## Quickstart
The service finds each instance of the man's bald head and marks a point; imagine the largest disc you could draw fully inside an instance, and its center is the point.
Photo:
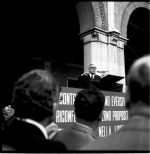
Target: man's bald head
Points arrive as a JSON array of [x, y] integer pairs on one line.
[[139, 80]]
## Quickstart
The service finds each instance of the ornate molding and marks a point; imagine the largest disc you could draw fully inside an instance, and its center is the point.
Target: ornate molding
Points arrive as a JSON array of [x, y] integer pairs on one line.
[[97, 34], [99, 13], [98, 19], [102, 14]]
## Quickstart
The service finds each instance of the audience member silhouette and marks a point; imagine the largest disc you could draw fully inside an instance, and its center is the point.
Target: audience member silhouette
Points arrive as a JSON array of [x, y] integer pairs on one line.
[[88, 108], [33, 98], [134, 136]]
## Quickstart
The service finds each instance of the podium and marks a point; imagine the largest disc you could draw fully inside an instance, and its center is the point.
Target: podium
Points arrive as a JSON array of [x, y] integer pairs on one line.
[[107, 83], [89, 84]]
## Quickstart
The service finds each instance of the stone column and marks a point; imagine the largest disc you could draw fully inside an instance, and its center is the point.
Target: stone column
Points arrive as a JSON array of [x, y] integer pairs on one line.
[[115, 57], [95, 48], [105, 50]]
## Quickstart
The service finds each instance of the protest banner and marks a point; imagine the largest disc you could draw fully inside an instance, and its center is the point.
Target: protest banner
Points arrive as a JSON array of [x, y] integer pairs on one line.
[[114, 114]]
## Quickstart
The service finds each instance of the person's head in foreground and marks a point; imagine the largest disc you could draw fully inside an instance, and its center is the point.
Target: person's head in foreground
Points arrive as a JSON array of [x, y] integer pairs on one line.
[[88, 107], [138, 79], [34, 95]]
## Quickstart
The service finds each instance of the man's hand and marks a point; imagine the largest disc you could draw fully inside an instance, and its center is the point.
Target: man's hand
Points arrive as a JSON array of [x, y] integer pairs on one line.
[[104, 74], [8, 111], [52, 130]]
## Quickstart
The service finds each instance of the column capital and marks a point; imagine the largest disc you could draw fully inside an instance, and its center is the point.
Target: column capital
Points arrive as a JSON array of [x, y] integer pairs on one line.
[[114, 32], [94, 29], [114, 38], [94, 34]]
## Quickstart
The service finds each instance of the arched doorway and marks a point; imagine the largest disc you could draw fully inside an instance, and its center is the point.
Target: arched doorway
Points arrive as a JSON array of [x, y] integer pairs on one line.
[[138, 35]]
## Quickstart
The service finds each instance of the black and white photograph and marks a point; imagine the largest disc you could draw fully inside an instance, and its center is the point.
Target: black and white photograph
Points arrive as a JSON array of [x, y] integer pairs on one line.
[[76, 76]]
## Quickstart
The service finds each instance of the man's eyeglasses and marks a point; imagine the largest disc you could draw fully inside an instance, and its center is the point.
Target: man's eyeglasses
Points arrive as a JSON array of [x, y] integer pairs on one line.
[[93, 67]]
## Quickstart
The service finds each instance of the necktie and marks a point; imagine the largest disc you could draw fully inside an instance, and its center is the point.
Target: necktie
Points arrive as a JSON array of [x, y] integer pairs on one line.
[[92, 77]]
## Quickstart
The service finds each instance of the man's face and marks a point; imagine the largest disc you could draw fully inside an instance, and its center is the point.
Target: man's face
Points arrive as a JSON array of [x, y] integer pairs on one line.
[[92, 69]]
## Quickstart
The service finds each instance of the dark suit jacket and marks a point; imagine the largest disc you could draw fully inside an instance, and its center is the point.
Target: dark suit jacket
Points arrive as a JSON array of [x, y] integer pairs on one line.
[[85, 81], [134, 136], [75, 136], [25, 137]]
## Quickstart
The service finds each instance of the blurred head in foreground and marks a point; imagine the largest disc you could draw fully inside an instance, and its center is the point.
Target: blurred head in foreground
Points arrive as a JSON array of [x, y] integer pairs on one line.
[[34, 95], [88, 106], [139, 83]]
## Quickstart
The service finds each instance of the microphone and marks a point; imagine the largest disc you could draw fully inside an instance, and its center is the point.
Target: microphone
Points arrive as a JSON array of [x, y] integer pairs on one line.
[[102, 71]]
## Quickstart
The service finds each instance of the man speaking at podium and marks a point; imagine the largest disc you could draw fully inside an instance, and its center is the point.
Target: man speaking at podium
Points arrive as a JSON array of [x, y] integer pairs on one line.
[[89, 79]]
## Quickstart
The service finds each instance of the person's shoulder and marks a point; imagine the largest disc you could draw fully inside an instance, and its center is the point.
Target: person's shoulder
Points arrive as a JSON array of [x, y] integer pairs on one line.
[[85, 74], [92, 145], [99, 144], [55, 145]]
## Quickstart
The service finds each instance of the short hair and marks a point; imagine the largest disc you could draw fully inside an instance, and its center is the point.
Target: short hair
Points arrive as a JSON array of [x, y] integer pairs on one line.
[[89, 104], [139, 81], [34, 94], [91, 65]]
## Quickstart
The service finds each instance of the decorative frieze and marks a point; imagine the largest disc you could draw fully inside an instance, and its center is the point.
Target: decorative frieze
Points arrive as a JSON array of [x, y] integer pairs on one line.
[[102, 14], [99, 14]]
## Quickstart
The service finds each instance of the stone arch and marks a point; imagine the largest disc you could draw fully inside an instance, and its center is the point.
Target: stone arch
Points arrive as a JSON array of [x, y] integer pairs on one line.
[[126, 15], [86, 16], [99, 9], [138, 36]]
